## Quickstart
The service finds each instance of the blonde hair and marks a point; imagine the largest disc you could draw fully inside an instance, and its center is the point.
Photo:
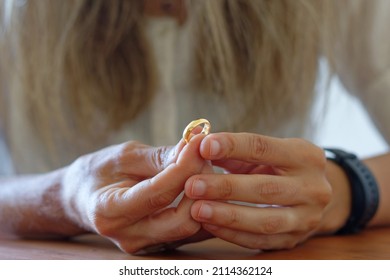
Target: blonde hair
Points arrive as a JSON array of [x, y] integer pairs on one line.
[[90, 65]]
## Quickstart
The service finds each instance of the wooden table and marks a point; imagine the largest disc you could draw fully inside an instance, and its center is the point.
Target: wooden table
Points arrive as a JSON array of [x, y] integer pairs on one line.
[[370, 244]]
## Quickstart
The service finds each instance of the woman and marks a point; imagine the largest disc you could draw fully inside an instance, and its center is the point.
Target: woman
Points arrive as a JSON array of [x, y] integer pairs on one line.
[[81, 75]]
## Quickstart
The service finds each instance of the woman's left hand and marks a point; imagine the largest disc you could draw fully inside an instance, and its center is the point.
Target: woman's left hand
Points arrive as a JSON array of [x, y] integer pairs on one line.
[[288, 175]]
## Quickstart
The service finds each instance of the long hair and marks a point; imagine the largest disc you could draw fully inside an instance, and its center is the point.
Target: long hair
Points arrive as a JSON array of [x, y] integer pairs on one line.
[[83, 67]]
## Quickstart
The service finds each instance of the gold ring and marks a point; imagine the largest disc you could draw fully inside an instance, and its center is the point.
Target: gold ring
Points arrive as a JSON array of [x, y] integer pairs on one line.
[[191, 126]]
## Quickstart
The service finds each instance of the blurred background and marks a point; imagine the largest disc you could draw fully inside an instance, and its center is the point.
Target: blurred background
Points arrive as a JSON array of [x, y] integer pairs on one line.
[[345, 124]]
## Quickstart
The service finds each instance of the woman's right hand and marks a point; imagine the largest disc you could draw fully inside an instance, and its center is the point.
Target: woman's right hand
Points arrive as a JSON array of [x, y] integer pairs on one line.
[[123, 193]]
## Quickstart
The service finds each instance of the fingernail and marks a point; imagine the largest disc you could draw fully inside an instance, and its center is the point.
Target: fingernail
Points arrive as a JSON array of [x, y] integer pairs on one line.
[[215, 147], [198, 188], [205, 212]]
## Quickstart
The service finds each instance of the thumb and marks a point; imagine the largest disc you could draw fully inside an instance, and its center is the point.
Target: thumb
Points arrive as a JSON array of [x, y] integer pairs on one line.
[[161, 190]]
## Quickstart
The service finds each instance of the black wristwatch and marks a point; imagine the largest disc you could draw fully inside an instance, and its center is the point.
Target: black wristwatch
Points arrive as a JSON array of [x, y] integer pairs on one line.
[[364, 190]]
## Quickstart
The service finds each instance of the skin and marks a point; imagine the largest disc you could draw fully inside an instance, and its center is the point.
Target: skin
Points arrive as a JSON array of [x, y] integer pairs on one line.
[[123, 193], [126, 193], [314, 194]]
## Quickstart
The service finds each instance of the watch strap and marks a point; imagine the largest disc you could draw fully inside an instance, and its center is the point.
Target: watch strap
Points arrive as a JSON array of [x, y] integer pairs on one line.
[[364, 190]]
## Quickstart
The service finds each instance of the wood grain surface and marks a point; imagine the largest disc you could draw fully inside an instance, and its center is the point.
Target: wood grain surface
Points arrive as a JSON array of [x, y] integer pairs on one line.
[[369, 244]]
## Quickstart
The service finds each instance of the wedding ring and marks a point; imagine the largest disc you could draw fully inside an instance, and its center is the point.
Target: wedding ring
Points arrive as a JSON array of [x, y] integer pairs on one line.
[[192, 125]]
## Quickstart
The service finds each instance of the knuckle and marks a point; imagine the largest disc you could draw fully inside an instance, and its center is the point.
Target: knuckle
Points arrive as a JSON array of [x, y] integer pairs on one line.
[[232, 218], [128, 147], [121, 157], [231, 146], [259, 147], [131, 146], [225, 190], [159, 158], [272, 224], [322, 195], [268, 190], [126, 152]]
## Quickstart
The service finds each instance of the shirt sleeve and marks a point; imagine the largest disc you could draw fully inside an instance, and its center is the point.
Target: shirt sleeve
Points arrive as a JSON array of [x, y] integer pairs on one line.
[[362, 57]]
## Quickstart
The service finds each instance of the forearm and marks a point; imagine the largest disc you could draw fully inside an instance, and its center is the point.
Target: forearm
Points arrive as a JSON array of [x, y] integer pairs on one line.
[[31, 206]]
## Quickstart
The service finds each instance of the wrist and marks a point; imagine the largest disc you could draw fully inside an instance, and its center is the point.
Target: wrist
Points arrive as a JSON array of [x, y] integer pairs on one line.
[[74, 194], [51, 218], [364, 190], [338, 210], [35, 205], [68, 225]]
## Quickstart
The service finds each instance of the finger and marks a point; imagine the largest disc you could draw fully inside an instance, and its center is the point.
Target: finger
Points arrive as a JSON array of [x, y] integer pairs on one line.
[[147, 161], [252, 240], [158, 192], [251, 148], [163, 228], [242, 167], [268, 220], [234, 166], [260, 189], [172, 224]]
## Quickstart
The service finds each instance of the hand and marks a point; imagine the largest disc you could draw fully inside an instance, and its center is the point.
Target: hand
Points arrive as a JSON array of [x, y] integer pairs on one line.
[[288, 175], [123, 193]]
